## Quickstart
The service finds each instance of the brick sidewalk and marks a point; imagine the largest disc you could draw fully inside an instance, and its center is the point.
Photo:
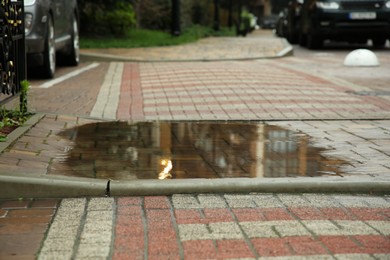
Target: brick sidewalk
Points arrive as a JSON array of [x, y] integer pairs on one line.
[[205, 226], [216, 226], [260, 90], [44, 149], [258, 45], [23, 224]]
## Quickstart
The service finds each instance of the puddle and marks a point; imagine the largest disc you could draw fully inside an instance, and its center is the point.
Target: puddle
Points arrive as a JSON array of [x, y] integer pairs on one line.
[[152, 150]]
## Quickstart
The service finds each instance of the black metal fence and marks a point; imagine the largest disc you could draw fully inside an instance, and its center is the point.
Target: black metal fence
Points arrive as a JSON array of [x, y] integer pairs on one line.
[[12, 48]]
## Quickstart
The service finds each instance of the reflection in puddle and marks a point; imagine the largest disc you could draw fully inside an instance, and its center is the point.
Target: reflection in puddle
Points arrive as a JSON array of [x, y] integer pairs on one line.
[[161, 150]]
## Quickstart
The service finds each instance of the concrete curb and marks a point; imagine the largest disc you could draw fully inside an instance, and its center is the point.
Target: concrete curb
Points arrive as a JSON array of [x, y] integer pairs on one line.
[[49, 186], [44, 186], [287, 51], [242, 185]]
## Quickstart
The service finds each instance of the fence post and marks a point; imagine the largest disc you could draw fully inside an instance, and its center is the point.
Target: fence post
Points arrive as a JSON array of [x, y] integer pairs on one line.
[[12, 47]]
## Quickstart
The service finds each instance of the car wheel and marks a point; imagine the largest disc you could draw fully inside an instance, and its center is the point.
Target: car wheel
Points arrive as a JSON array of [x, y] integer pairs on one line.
[[72, 57], [292, 35], [49, 54], [302, 39], [379, 42], [292, 38], [313, 42]]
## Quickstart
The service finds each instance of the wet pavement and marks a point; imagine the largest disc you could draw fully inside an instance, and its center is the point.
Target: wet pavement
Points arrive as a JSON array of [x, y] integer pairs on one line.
[[74, 146], [302, 114], [187, 150]]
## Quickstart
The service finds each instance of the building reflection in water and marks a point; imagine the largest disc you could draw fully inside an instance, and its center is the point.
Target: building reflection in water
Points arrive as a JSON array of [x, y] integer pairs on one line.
[[163, 150]]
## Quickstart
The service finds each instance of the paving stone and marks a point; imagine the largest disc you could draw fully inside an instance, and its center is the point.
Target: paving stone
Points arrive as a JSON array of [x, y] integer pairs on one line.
[[364, 201], [194, 232], [339, 227], [185, 202], [224, 231], [240, 201], [211, 201], [267, 201], [321, 200], [381, 226], [21, 204], [294, 200]]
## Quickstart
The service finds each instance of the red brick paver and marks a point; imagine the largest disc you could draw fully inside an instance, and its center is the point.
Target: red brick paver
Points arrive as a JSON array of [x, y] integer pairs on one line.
[[237, 91], [168, 233], [23, 224], [195, 227]]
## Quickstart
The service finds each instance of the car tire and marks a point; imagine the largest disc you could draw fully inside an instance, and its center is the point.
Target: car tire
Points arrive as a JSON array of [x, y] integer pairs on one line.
[[49, 54], [72, 56], [293, 38], [292, 35], [379, 42], [314, 42], [302, 39]]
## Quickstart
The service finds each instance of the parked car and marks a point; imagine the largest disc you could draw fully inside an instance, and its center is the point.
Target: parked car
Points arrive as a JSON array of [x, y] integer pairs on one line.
[[52, 31], [293, 18], [269, 22], [344, 20], [282, 24]]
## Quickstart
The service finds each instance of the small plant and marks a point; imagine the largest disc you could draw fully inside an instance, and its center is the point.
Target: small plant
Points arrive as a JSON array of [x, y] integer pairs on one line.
[[10, 119], [25, 86]]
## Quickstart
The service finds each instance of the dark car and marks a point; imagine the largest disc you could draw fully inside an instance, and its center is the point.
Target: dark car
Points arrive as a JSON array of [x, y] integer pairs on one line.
[[282, 24], [293, 20], [344, 20], [52, 31], [269, 21]]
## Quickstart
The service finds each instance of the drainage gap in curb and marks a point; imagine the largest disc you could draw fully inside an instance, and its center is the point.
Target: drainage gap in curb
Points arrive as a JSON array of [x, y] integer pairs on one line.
[[108, 189]]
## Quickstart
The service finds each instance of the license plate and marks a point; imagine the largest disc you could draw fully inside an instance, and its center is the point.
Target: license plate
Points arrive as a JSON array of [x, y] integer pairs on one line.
[[362, 16]]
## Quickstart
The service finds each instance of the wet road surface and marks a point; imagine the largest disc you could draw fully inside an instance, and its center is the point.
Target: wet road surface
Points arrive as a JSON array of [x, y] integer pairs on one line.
[[180, 150]]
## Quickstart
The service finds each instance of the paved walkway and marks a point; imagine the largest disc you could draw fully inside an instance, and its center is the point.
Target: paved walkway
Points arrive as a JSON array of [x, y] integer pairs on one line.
[[257, 45], [229, 91], [199, 226], [60, 145], [204, 226]]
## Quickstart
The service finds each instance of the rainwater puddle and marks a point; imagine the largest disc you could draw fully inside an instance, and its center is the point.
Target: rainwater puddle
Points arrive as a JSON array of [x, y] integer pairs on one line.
[[178, 150]]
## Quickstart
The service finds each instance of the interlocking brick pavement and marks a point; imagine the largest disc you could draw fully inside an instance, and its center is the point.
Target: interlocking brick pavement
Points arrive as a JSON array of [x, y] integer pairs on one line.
[[193, 227], [257, 90], [23, 224], [75, 96], [259, 44], [205, 226]]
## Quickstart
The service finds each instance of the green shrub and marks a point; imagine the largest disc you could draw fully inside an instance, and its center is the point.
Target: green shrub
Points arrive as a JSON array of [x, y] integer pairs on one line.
[[150, 38], [106, 17], [120, 19]]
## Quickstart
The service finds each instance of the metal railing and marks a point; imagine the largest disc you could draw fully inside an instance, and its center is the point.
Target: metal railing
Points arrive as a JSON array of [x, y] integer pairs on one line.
[[12, 48]]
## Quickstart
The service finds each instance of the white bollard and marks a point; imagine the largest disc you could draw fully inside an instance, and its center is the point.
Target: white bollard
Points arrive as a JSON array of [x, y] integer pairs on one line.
[[361, 58]]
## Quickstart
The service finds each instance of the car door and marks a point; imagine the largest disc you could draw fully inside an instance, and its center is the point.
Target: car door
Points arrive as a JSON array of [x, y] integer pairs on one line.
[[68, 13], [60, 20]]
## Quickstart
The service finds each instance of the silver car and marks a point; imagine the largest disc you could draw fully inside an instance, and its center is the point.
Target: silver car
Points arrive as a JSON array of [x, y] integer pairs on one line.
[[52, 33]]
